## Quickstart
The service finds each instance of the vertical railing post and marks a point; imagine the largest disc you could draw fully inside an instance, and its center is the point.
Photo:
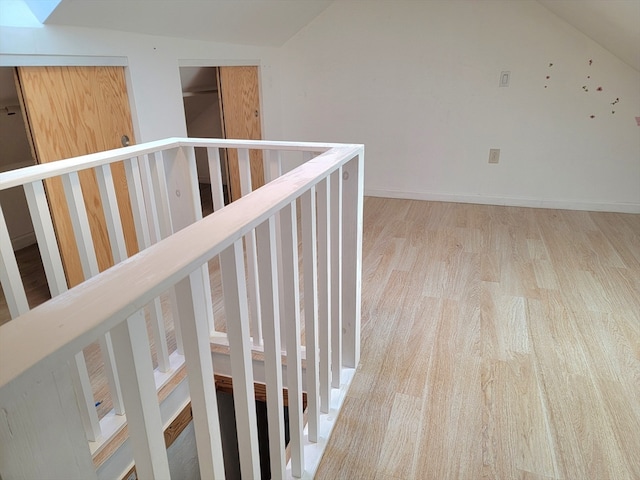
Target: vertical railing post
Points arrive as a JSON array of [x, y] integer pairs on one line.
[[336, 277], [165, 223], [190, 154], [215, 176], [324, 291], [46, 237], [291, 315], [195, 335], [352, 211], [131, 346], [10, 275], [244, 165], [268, 274], [310, 269], [272, 170], [234, 288]]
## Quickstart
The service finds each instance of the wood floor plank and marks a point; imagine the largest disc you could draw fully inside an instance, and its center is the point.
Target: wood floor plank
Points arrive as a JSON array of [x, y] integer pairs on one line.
[[401, 436], [523, 341]]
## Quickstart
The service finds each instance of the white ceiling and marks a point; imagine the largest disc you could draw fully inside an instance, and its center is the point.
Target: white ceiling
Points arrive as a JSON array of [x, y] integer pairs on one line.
[[249, 22], [614, 24]]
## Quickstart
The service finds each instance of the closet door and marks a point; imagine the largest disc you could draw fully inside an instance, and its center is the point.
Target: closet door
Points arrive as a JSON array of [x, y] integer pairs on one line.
[[240, 105], [74, 111]]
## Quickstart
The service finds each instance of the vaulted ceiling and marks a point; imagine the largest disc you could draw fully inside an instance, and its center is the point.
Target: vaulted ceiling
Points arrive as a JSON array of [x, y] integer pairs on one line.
[[250, 22], [614, 24]]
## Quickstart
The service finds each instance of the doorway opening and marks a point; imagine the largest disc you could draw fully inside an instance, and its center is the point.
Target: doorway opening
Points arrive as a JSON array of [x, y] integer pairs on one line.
[[224, 102], [203, 115], [16, 153]]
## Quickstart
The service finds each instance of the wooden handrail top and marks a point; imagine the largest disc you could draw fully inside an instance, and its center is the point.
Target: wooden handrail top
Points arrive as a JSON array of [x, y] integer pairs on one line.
[[51, 333]]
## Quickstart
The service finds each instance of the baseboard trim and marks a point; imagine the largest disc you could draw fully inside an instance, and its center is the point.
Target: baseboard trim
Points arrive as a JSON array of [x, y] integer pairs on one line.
[[507, 201], [22, 241]]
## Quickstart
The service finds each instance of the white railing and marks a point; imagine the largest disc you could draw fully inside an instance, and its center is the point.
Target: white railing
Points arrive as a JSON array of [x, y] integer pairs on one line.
[[49, 425]]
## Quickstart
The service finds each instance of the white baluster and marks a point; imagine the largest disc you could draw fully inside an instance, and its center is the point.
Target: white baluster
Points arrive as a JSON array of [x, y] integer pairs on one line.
[[10, 274], [84, 242], [244, 165], [150, 201], [352, 207], [131, 347], [141, 222], [190, 154], [291, 315], [272, 165], [309, 266], [86, 402], [272, 171], [161, 193], [195, 335], [46, 237], [54, 271], [268, 273], [111, 210], [324, 291], [215, 175], [80, 222], [165, 227], [336, 277], [235, 294]]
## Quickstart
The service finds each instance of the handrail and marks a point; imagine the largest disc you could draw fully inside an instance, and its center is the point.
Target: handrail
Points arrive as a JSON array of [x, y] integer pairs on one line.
[[62, 326], [43, 171]]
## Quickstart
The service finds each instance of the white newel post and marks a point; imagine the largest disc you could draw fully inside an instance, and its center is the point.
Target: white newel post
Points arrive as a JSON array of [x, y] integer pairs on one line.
[[352, 211], [41, 434]]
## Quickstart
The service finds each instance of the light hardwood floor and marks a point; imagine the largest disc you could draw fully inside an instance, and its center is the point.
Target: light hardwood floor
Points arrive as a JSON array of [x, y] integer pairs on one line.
[[498, 342]]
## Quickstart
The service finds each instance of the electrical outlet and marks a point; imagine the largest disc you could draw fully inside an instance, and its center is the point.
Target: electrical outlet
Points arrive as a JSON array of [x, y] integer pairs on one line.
[[494, 155]]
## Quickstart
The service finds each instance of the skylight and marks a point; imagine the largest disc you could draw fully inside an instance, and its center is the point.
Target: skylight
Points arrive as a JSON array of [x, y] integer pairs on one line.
[[26, 13]]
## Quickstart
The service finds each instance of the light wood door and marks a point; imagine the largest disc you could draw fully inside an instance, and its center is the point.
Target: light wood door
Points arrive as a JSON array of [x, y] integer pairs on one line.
[[240, 105], [74, 111]]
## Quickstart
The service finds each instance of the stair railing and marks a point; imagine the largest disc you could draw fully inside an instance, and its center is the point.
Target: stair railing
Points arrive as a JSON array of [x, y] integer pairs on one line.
[[43, 373]]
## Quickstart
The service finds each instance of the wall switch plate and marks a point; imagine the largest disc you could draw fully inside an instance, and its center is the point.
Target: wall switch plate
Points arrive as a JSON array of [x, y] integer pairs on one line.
[[504, 79], [494, 155]]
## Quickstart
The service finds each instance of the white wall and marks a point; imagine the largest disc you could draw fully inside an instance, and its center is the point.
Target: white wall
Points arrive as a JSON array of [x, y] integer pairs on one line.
[[417, 83]]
